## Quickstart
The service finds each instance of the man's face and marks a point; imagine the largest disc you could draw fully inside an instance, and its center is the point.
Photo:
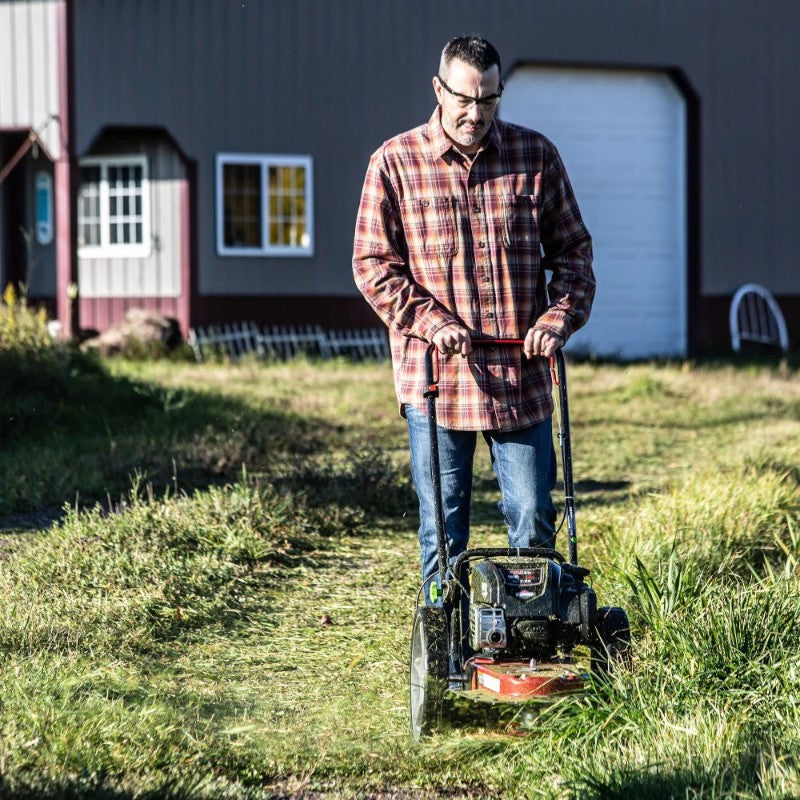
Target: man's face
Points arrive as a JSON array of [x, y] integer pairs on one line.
[[466, 123]]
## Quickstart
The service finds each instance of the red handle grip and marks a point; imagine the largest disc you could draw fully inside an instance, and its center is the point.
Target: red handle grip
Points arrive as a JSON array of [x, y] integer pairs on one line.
[[516, 342], [487, 341]]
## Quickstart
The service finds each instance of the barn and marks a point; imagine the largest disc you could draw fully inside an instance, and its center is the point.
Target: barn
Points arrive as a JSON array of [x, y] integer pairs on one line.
[[205, 159]]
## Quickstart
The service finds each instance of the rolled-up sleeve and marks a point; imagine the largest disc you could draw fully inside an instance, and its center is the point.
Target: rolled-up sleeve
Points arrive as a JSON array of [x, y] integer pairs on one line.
[[380, 261], [567, 249]]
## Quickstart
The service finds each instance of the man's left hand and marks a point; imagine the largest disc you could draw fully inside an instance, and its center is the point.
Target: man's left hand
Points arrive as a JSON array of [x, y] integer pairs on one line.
[[539, 342]]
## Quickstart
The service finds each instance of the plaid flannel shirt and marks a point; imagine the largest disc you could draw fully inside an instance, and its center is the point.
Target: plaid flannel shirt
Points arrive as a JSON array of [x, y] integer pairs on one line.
[[439, 240]]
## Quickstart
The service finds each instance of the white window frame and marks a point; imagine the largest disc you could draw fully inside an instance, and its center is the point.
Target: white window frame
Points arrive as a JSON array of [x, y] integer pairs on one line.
[[121, 250], [265, 162]]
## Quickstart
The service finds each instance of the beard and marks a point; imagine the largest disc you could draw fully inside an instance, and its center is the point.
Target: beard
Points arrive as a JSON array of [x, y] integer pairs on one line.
[[463, 131], [470, 133]]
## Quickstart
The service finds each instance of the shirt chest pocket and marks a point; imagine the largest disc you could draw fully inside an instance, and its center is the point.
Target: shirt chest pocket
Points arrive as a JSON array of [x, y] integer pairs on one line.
[[521, 223], [429, 224]]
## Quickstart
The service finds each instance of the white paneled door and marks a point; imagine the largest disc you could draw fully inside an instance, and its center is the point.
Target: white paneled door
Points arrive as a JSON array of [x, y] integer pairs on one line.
[[622, 136]]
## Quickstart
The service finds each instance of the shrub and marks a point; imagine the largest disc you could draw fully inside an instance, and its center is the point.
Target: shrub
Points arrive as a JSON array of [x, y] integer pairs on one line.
[[21, 327]]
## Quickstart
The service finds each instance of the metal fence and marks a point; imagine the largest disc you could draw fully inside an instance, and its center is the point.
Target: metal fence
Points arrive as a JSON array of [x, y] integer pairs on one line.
[[234, 340]]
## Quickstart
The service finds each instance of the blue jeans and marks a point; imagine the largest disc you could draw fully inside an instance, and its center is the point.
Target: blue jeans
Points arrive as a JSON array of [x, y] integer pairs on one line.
[[524, 462]]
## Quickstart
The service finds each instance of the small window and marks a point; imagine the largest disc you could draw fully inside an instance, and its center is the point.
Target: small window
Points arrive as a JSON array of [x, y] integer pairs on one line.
[[264, 205], [113, 207]]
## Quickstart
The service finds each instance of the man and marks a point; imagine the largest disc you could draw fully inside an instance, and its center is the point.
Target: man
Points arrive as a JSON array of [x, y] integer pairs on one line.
[[459, 218]]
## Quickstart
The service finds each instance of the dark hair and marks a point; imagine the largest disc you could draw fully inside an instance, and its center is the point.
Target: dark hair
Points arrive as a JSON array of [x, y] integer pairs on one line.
[[473, 50]]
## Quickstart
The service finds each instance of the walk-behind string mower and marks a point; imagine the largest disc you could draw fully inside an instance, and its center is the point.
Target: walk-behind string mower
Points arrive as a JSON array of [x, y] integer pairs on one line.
[[501, 624]]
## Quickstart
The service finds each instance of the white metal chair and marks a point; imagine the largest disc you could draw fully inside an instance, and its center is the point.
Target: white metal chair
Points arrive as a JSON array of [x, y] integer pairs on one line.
[[756, 317]]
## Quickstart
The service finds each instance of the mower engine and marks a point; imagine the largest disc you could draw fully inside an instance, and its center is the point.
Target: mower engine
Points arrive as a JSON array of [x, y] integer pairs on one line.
[[529, 608]]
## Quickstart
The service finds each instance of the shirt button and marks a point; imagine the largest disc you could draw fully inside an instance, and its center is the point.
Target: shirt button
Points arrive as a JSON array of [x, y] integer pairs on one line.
[[486, 279], [476, 209], [425, 203], [489, 315], [481, 244]]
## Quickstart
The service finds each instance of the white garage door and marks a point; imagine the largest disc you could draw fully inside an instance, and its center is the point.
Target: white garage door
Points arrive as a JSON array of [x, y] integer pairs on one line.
[[622, 136]]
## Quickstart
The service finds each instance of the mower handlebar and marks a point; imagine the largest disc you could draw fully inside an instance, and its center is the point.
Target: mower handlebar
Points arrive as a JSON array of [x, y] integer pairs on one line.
[[484, 340], [431, 364]]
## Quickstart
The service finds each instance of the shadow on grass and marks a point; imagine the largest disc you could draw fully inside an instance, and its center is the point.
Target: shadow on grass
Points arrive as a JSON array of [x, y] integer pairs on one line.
[[365, 478], [602, 494], [198, 788], [72, 433], [588, 492], [100, 787], [737, 776], [777, 410]]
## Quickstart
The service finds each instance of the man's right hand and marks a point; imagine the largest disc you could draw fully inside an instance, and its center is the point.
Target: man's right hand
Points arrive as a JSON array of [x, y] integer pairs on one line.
[[453, 339]]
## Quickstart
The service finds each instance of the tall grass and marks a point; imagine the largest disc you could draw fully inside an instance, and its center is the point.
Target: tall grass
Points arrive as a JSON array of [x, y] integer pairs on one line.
[[94, 613], [118, 583], [708, 571]]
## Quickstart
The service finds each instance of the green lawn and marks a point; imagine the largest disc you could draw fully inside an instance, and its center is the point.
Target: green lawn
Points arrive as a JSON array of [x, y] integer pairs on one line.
[[233, 618]]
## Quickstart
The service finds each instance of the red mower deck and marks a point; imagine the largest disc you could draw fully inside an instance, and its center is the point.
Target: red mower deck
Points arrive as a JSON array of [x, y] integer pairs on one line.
[[518, 680]]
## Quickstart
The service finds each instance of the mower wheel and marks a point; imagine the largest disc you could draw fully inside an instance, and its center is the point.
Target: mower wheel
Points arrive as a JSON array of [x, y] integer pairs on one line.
[[611, 646], [430, 667]]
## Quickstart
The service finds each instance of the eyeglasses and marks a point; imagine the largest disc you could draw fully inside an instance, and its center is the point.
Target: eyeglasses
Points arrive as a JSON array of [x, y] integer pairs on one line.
[[465, 101]]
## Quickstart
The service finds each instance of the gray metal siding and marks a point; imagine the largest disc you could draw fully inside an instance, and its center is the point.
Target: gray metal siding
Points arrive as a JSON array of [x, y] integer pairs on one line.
[[157, 275], [29, 68], [334, 78]]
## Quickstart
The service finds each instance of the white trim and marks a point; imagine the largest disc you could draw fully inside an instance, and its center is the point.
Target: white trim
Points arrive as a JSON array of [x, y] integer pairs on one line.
[[106, 249], [265, 162]]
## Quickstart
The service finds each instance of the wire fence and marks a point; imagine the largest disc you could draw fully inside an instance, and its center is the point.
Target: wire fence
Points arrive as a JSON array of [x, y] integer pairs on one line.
[[235, 340]]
